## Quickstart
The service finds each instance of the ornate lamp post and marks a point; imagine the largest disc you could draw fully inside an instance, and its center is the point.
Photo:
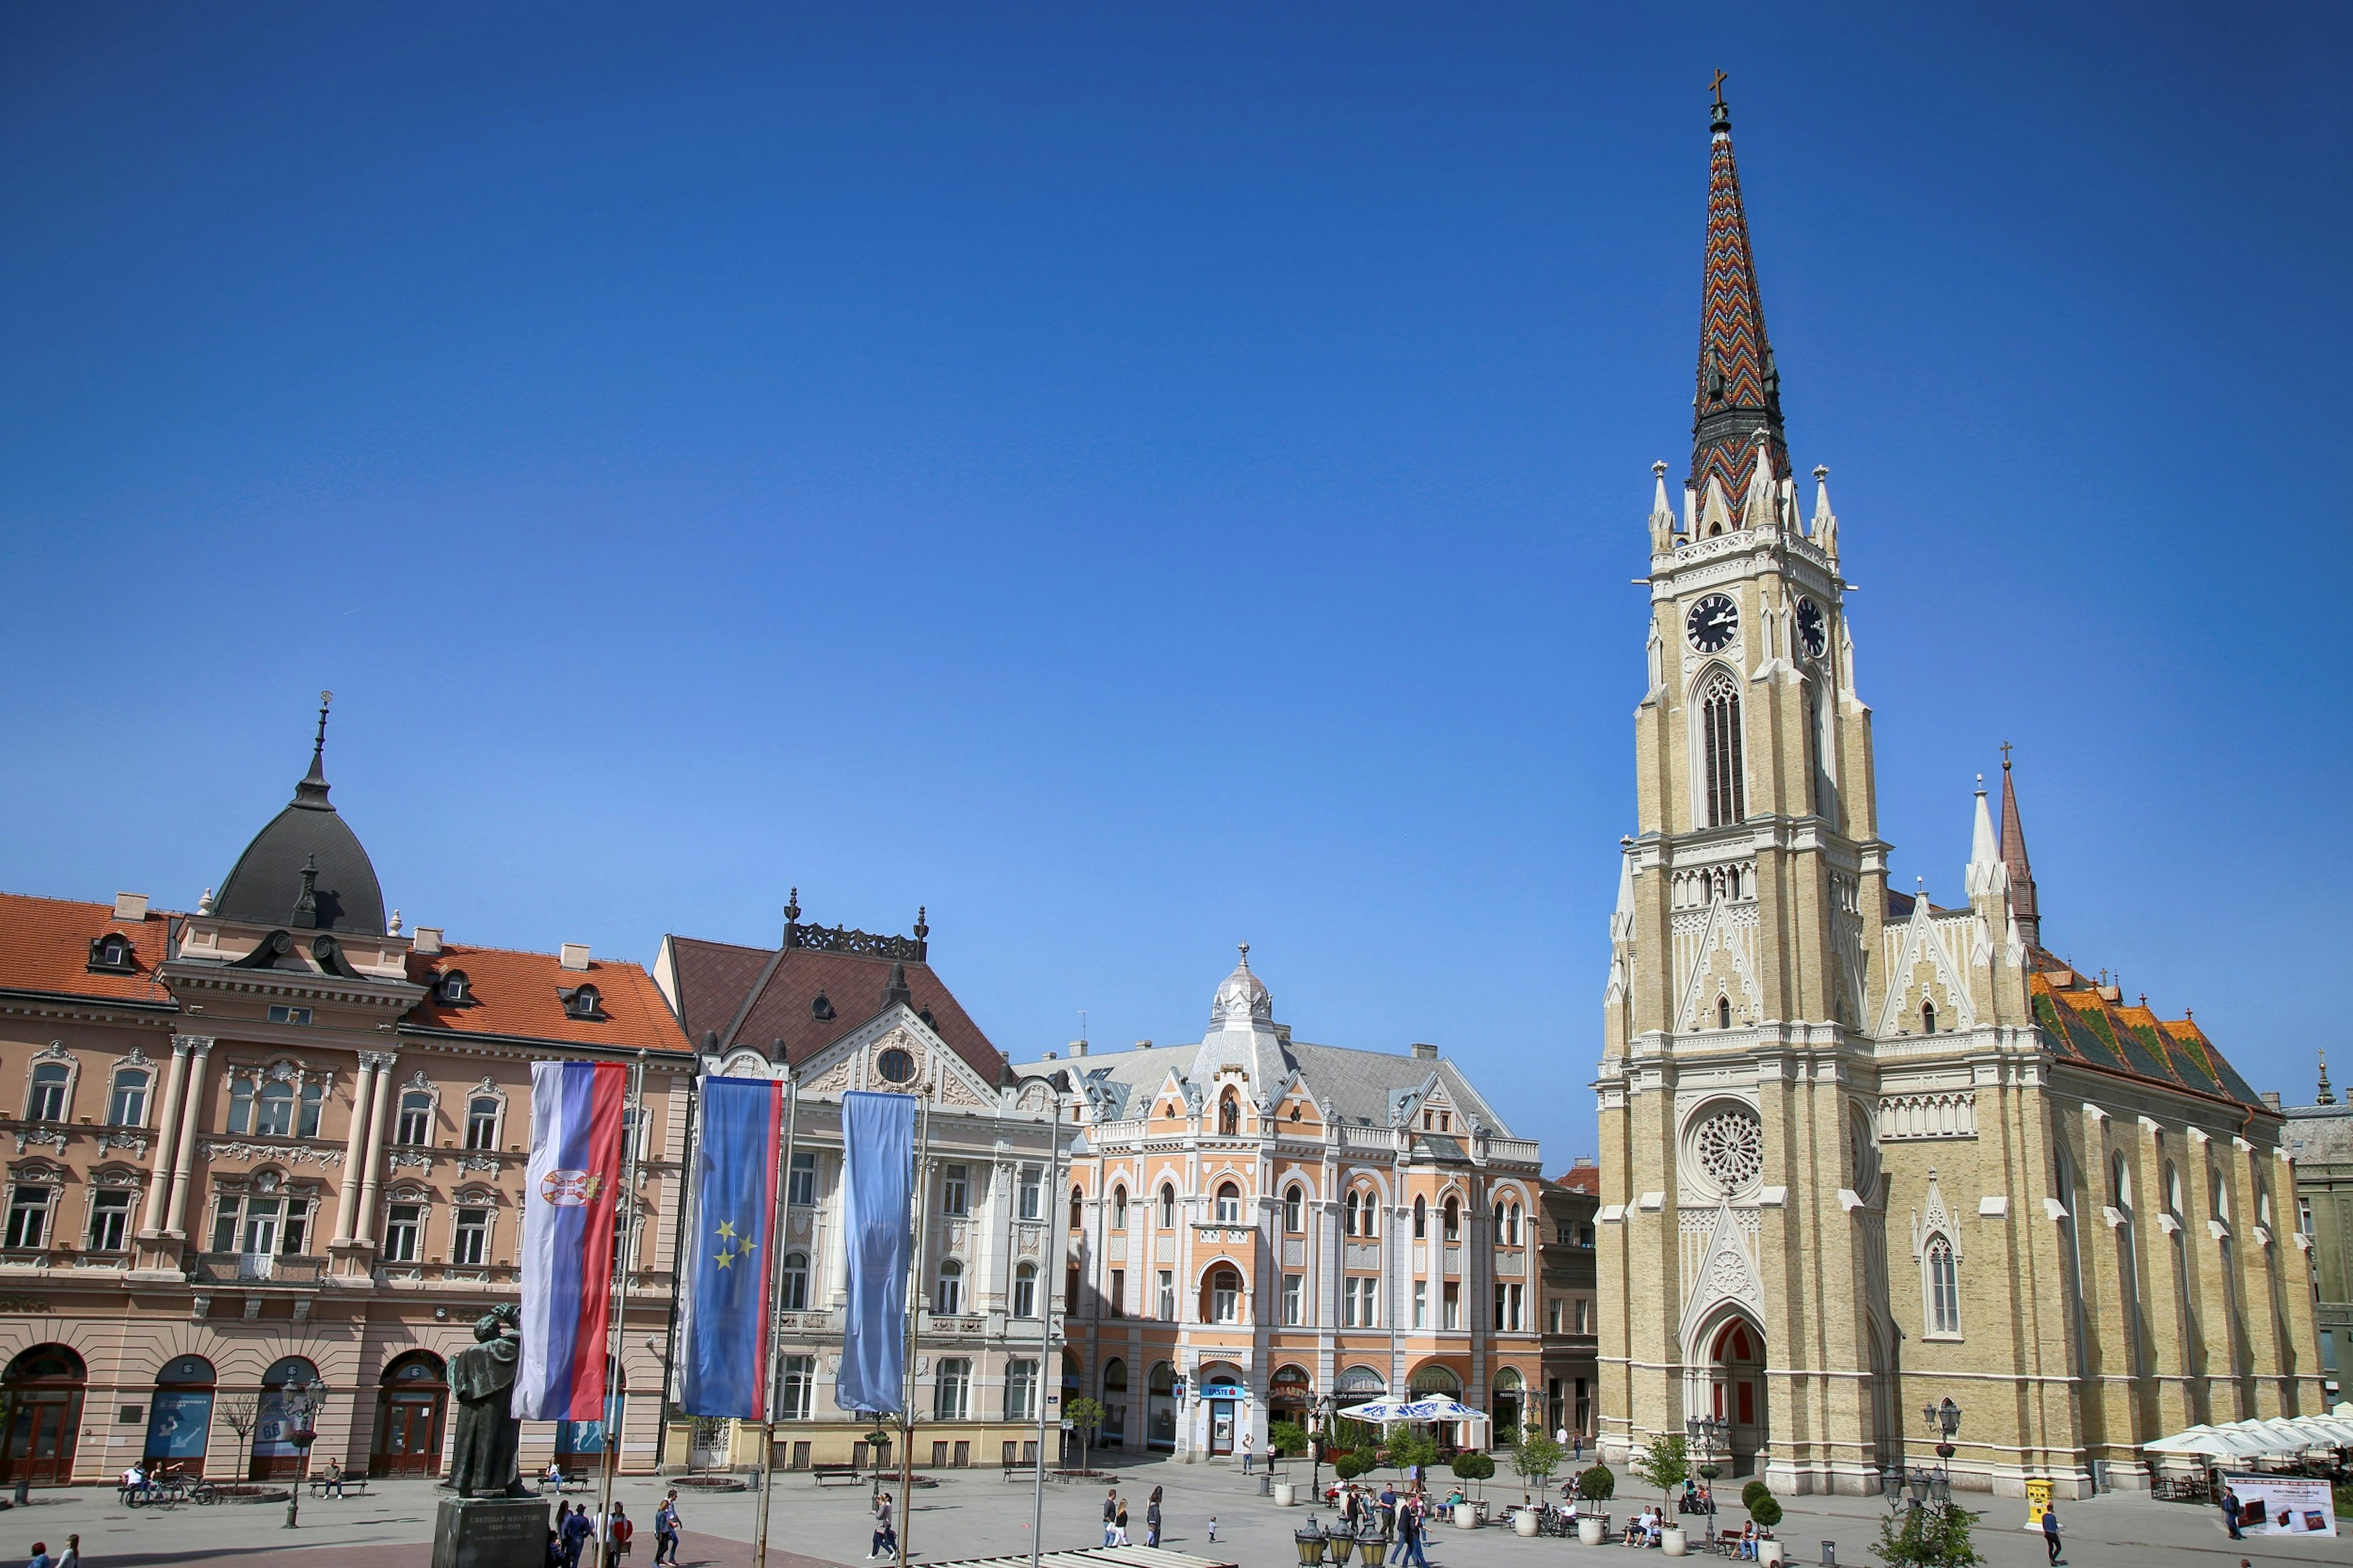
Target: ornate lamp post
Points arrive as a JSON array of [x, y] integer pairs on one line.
[[1947, 1419]]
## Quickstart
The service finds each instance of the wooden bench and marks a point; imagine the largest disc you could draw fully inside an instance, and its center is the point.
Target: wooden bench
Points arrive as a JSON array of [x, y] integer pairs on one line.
[[353, 1486], [824, 1473]]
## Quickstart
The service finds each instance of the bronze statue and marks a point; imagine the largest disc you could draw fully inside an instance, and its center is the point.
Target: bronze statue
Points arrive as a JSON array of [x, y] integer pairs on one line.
[[482, 1378]]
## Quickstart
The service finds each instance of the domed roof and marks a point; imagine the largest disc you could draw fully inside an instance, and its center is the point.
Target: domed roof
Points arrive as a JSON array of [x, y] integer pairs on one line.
[[1241, 999], [306, 868]]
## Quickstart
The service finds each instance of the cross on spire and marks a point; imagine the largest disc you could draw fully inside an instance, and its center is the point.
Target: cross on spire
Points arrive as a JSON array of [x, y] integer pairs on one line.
[[1718, 85]]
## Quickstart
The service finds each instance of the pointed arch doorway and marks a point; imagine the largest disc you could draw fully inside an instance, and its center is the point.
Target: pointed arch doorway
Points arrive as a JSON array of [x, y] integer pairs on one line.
[[1735, 1369]]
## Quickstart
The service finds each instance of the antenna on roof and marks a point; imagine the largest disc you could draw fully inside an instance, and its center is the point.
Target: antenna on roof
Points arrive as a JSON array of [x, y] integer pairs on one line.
[[1082, 1023]]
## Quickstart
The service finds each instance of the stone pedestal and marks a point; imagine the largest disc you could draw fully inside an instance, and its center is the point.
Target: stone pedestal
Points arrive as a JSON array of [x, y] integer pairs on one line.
[[491, 1533]]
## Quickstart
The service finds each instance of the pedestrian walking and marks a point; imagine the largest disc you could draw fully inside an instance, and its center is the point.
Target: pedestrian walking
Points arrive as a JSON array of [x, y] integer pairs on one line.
[[1111, 1517], [576, 1531], [666, 1530], [2051, 1532], [71, 1556], [1119, 1532], [41, 1558], [1213, 1527], [1152, 1519], [619, 1529], [1411, 1528], [885, 1538], [2231, 1511]]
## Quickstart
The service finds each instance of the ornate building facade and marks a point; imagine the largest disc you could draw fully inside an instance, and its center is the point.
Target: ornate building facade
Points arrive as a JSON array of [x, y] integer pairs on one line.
[[1257, 1226], [281, 1139], [1861, 1151]]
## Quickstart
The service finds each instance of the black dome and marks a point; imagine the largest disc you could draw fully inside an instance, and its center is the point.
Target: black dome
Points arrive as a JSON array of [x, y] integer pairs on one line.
[[306, 869]]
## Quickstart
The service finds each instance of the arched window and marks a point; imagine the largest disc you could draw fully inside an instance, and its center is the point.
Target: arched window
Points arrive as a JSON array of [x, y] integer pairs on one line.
[[795, 1282], [482, 1122], [1167, 1206], [1420, 1217], [952, 1394], [1727, 793], [2173, 1189], [1295, 1211], [415, 1118], [1229, 1204], [1927, 1017], [2219, 1193], [1454, 1220], [452, 989], [276, 1110], [48, 1100], [127, 1107], [951, 1295], [1511, 1225], [1724, 1012], [314, 1100], [1225, 1296], [2119, 1182], [1024, 1291], [1118, 1208], [1078, 1208], [1499, 1222], [1944, 1288], [1230, 1115], [1348, 1215], [2264, 1204]]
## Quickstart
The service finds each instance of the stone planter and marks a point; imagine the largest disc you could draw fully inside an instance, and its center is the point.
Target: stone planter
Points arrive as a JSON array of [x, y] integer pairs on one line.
[[1588, 1531], [1768, 1551], [1524, 1521], [1672, 1541], [1466, 1516], [1283, 1494]]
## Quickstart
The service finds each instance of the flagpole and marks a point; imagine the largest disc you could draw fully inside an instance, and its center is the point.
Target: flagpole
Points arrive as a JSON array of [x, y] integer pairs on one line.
[[775, 1324], [1044, 1302], [633, 1133], [914, 1316]]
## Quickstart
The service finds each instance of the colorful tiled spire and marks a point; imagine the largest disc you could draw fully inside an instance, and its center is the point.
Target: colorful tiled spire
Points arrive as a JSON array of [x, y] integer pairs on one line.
[[1740, 391], [2014, 857]]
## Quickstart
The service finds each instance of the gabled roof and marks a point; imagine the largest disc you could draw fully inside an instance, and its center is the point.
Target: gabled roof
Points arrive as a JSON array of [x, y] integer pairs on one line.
[[753, 996], [521, 995], [2081, 1022], [1586, 1179], [45, 949]]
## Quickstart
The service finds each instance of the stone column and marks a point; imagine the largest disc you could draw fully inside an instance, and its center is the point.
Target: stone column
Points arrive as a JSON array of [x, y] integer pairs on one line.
[[355, 1149], [372, 1170], [192, 1107], [167, 1137]]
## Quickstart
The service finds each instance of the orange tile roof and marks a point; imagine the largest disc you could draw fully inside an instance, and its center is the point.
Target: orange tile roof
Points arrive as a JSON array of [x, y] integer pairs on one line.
[[515, 993], [45, 947], [1581, 1179]]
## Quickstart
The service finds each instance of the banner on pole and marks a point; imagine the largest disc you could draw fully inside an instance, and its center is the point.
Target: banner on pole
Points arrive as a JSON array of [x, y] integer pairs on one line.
[[724, 1305], [878, 1135], [570, 1194]]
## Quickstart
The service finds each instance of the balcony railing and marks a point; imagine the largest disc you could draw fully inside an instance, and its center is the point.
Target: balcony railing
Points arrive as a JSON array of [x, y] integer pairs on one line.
[[255, 1269]]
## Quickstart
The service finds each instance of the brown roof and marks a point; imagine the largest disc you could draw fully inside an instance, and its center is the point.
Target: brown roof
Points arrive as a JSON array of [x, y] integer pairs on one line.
[[1581, 1179], [45, 947], [520, 993], [753, 996]]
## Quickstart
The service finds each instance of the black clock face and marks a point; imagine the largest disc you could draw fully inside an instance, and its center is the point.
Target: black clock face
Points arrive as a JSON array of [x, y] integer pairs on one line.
[[1710, 623], [1813, 627]]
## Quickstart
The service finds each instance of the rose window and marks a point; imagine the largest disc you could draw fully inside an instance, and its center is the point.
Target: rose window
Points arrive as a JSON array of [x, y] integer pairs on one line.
[[1729, 1147]]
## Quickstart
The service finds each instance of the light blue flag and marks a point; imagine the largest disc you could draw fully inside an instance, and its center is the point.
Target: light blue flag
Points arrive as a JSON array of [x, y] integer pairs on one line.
[[878, 1135]]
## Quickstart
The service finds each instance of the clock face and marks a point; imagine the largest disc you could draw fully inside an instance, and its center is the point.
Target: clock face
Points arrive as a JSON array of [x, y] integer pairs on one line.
[[1710, 623], [1813, 627]]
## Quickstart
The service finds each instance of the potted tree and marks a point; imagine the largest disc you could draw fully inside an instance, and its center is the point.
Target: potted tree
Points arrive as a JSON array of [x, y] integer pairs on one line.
[[1474, 1466], [1767, 1511], [1665, 1464], [1288, 1439], [1935, 1536], [1535, 1457], [1596, 1485]]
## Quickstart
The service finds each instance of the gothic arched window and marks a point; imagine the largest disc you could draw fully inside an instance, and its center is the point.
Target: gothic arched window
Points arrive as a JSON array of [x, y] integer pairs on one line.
[[1927, 1017], [1295, 1211], [1720, 749], [1944, 1288], [1724, 1012], [1348, 1215], [1167, 1206], [1420, 1217]]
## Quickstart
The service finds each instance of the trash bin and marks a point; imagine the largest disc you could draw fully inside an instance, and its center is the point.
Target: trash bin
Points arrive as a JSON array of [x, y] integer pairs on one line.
[[1266, 1483], [1830, 1554]]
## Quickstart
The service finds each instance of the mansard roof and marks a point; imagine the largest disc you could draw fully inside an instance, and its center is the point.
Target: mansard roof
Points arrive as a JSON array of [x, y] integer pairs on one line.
[[45, 949], [756, 995], [2087, 1023]]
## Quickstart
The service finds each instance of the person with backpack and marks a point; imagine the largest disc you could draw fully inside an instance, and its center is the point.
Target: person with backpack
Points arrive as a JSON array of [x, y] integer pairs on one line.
[[666, 1530]]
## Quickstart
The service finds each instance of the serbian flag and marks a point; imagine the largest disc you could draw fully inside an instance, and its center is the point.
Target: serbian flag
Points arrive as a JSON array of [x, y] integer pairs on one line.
[[573, 1183], [723, 1312]]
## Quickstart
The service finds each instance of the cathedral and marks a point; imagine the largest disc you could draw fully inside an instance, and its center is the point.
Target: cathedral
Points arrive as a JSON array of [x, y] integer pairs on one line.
[[1864, 1156]]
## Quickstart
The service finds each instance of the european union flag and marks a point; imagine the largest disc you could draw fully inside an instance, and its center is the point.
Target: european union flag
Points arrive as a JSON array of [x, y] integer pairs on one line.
[[724, 1318]]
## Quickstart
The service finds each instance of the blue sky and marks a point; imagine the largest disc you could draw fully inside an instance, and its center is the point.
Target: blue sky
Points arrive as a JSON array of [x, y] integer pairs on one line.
[[1140, 479]]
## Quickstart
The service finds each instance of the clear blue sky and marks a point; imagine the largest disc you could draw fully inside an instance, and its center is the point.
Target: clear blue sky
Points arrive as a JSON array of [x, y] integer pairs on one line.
[[1135, 480]]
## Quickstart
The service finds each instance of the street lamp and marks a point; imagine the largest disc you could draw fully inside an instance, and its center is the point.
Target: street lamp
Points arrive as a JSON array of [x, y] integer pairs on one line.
[[1945, 1419], [1056, 1084], [1319, 1414]]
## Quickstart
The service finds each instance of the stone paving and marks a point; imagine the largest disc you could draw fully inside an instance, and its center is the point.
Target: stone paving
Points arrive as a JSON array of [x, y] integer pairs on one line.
[[975, 1513]]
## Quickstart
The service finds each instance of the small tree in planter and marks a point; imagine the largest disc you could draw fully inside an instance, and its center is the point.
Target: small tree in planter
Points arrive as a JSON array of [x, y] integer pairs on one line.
[[1936, 1536], [1766, 1510], [1352, 1464], [1665, 1464], [1472, 1466], [1535, 1457], [242, 1414], [1409, 1448], [1085, 1415], [1288, 1438], [1596, 1484], [1754, 1489]]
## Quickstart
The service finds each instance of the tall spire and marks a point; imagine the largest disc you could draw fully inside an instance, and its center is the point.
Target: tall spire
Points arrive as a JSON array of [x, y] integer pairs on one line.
[[2014, 857], [312, 790], [1739, 390]]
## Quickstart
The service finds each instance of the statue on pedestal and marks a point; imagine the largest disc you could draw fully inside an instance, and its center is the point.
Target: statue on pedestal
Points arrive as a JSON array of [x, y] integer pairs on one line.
[[482, 1378]]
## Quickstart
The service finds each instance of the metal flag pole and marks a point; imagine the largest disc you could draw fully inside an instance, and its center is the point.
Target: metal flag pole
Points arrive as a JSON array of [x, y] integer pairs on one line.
[[914, 1315], [632, 1133], [687, 1197], [1045, 1305], [775, 1319]]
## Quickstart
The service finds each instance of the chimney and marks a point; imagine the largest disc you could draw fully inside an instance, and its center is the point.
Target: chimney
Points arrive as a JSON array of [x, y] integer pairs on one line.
[[1582, 1163], [1049, 1056], [1078, 1048], [131, 906], [2270, 1098], [429, 941], [1424, 1053], [1144, 1044], [574, 955]]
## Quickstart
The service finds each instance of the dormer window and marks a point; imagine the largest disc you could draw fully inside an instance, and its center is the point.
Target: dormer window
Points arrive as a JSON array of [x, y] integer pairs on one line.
[[110, 954], [821, 1008], [581, 1002], [451, 988]]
